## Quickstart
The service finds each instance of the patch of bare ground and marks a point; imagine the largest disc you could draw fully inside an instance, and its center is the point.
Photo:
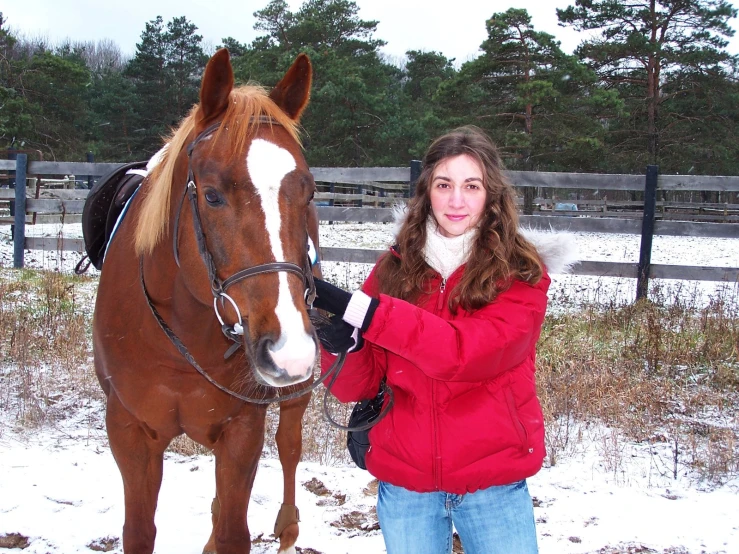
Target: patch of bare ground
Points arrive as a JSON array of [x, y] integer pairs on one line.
[[13, 540], [640, 549], [355, 522], [105, 544]]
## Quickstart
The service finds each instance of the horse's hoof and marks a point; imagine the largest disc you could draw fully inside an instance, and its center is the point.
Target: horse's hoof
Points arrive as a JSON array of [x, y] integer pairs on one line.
[[288, 538]]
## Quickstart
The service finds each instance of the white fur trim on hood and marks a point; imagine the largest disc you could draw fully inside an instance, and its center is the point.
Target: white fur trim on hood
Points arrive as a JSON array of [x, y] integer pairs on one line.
[[558, 250]]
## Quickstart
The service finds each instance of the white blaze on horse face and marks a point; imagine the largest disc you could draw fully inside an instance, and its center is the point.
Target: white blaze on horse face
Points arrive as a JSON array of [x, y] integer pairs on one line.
[[268, 164]]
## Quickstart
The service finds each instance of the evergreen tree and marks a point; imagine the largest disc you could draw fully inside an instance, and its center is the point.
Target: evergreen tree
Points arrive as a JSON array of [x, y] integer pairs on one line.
[[642, 45], [165, 73], [542, 107], [185, 63], [419, 120], [352, 101]]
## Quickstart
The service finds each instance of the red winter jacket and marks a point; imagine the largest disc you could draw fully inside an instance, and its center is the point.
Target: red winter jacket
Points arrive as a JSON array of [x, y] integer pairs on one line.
[[466, 414]]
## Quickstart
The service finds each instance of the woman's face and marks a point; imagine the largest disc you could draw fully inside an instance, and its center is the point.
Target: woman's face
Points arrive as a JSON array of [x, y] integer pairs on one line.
[[457, 194]]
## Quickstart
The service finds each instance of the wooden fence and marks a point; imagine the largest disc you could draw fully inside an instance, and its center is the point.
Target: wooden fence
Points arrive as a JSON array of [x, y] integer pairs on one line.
[[399, 178]]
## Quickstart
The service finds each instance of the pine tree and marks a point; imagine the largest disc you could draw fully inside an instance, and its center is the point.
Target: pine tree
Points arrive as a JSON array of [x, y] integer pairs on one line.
[[642, 45]]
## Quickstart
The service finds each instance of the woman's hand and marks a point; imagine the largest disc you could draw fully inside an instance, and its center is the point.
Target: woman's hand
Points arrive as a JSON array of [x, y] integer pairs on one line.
[[338, 336]]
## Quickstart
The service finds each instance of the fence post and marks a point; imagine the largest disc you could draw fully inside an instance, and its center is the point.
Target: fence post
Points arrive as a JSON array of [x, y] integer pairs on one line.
[[19, 235], [415, 174], [90, 178], [332, 190], [647, 232]]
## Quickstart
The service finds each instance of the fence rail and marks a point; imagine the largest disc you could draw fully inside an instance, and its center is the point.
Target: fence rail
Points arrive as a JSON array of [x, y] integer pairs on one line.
[[395, 179]]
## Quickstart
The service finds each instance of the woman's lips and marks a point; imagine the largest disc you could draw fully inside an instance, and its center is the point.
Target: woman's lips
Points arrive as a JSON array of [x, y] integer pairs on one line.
[[455, 217]]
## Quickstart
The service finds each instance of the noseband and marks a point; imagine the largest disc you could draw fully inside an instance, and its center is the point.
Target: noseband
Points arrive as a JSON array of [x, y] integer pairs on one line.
[[219, 286]]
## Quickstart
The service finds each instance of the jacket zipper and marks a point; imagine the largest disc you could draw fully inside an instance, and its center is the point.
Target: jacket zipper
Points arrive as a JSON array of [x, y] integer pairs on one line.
[[442, 289], [436, 462]]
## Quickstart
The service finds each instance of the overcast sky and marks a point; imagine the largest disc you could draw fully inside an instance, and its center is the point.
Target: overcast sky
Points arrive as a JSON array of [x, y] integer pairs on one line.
[[456, 30]]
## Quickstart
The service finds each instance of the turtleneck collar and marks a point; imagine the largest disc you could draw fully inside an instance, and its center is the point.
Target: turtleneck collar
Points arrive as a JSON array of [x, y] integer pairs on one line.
[[446, 254]]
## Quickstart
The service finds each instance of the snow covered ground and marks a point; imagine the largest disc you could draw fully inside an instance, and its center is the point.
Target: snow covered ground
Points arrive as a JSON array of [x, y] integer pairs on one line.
[[60, 488]]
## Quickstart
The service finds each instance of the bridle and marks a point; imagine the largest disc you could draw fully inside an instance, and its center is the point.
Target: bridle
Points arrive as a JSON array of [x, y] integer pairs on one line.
[[219, 287]]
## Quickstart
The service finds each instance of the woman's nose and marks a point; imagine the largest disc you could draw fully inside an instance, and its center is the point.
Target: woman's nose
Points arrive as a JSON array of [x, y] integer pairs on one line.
[[456, 198]]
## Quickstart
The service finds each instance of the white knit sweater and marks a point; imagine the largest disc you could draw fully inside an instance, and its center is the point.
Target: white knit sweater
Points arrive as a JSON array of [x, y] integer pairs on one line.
[[446, 254]]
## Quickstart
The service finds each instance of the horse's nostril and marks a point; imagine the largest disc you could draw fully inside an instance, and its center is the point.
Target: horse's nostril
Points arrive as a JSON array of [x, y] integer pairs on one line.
[[264, 355]]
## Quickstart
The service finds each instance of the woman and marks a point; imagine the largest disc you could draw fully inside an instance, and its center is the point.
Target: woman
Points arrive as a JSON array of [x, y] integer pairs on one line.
[[450, 318]]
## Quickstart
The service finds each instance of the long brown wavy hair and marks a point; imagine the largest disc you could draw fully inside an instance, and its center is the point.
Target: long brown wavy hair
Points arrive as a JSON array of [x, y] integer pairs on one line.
[[499, 253]]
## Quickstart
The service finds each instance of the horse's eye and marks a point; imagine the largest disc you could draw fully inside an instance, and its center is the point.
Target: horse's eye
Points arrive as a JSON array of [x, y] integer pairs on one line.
[[312, 194], [212, 197]]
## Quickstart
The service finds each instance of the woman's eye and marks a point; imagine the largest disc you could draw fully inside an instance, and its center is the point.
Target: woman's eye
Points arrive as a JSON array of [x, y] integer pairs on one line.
[[212, 197]]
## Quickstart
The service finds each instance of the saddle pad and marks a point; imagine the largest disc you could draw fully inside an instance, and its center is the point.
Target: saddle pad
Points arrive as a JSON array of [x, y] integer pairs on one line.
[[104, 205]]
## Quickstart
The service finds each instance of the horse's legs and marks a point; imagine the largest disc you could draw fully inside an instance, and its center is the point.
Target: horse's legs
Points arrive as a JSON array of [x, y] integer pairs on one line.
[[289, 445], [237, 454], [139, 452], [215, 512]]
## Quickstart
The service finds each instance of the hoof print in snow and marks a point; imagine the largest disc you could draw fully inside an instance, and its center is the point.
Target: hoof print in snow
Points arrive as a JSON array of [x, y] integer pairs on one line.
[[335, 499], [358, 521], [105, 544], [575, 539], [316, 487], [307, 550], [13, 540], [632, 548]]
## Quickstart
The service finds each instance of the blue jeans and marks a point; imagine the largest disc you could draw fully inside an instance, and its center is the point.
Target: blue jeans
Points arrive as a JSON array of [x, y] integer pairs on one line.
[[496, 520]]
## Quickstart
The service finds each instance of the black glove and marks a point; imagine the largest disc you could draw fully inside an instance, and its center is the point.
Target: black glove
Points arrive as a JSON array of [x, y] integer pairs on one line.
[[335, 300], [331, 298], [336, 335]]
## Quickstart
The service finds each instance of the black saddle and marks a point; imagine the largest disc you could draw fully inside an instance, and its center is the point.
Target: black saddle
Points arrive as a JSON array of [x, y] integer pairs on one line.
[[103, 206]]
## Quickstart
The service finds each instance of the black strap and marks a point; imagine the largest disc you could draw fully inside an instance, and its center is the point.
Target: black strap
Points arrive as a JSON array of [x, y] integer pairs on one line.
[[384, 387]]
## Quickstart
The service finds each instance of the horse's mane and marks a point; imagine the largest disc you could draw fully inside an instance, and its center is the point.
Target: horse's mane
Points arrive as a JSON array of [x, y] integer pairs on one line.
[[247, 103]]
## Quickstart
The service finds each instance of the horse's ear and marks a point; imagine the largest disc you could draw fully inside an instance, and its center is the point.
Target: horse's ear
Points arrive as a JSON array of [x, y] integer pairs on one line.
[[292, 92], [218, 82]]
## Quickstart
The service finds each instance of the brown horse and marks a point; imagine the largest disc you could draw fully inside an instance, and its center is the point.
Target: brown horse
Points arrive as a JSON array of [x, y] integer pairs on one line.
[[208, 273]]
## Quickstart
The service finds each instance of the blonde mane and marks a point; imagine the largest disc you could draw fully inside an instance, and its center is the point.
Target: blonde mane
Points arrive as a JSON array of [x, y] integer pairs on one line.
[[247, 104]]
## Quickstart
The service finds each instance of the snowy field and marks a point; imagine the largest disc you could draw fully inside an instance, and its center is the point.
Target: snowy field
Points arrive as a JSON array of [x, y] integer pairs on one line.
[[60, 488]]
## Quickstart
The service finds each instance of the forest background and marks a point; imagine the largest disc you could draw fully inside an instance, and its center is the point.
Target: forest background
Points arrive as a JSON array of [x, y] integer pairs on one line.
[[653, 83]]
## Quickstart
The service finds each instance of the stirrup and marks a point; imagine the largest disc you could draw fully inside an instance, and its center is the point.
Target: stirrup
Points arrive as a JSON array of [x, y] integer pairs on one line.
[[78, 269]]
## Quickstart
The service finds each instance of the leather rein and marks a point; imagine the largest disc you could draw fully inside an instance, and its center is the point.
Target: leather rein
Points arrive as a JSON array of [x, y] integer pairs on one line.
[[218, 286]]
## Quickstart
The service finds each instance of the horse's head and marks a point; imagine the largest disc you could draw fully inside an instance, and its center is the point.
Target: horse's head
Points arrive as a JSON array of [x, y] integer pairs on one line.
[[241, 239]]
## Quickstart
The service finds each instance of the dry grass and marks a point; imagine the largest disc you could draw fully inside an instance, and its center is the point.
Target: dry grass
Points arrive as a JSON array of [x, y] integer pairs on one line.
[[654, 372], [45, 363], [662, 374]]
